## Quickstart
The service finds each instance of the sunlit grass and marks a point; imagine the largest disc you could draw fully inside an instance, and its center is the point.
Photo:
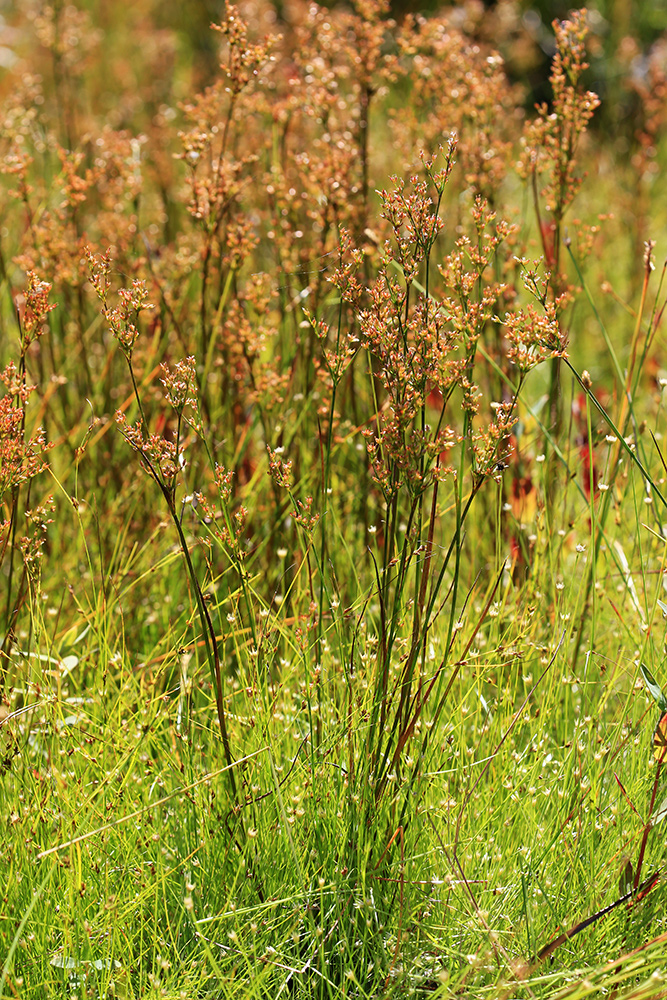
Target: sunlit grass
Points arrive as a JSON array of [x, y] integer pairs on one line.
[[323, 677]]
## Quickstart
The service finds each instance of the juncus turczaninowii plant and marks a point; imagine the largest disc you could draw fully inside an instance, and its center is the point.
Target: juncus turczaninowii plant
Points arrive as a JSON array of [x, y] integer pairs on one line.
[[549, 158], [454, 90], [22, 458], [163, 458], [433, 441], [421, 332], [218, 164]]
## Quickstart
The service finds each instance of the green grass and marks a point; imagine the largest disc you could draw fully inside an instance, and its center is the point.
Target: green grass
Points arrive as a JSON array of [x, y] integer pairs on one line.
[[331, 706]]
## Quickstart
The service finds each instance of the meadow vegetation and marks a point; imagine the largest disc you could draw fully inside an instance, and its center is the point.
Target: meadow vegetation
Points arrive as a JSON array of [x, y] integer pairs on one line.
[[333, 540]]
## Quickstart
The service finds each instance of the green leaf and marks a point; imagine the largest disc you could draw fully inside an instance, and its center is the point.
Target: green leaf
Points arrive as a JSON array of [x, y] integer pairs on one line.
[[654, 688], [627, 878]]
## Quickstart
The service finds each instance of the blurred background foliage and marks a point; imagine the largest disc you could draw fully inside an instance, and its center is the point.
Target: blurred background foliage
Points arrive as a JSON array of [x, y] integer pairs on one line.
[[627, 44], [626, 35]]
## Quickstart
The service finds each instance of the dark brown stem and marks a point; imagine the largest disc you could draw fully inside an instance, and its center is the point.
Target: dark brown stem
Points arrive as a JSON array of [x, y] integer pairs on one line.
[[648, 826], [209, 636]]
